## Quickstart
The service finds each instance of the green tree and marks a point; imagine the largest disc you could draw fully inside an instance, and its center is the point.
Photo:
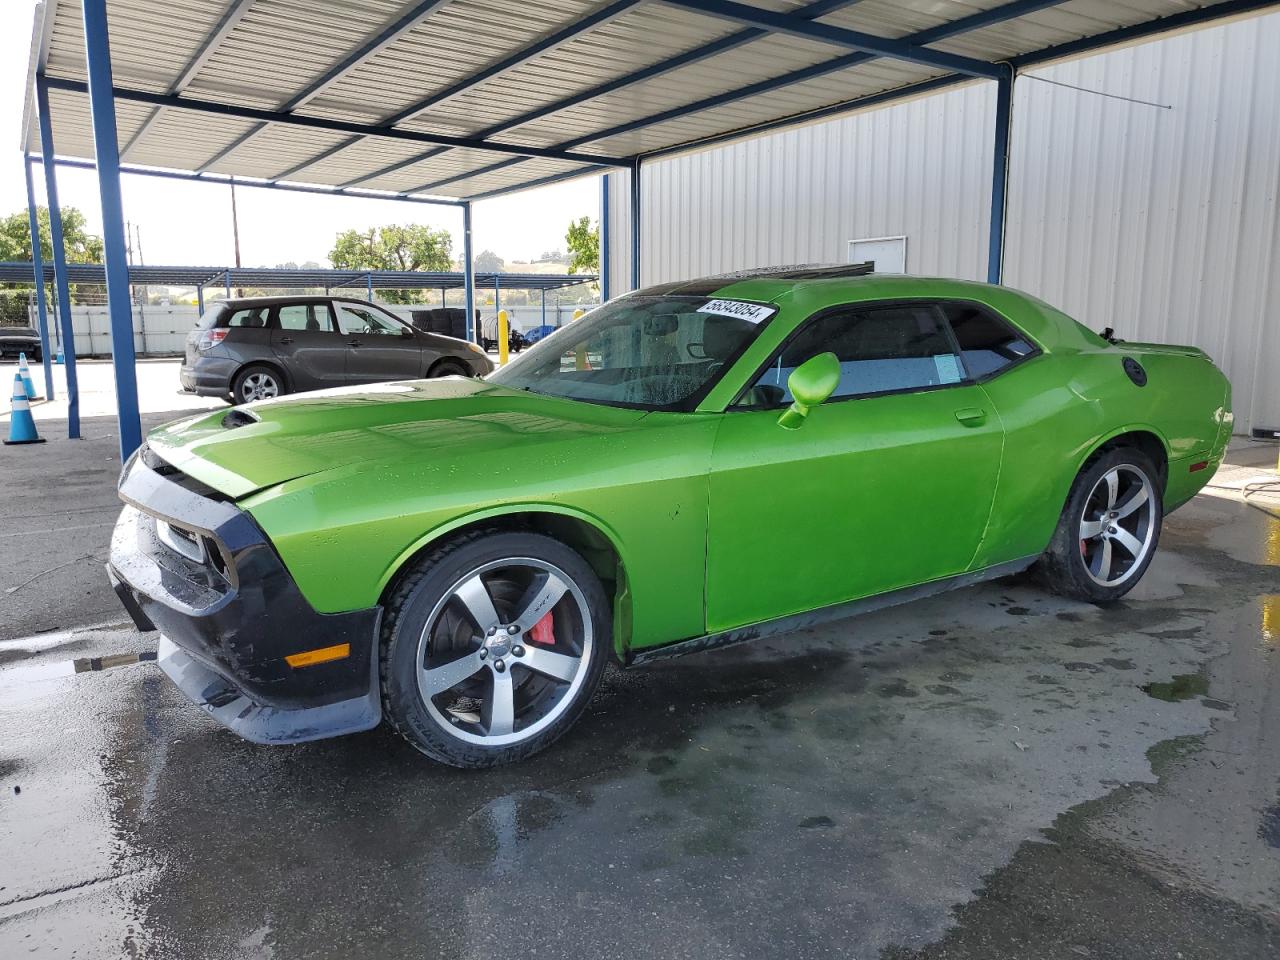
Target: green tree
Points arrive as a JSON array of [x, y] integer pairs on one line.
[[583, 241], [489, 262], [79, 245], [395, 247]]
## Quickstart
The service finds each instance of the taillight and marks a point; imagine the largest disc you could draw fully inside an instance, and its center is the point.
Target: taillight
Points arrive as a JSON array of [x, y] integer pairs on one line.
[[210, 339]]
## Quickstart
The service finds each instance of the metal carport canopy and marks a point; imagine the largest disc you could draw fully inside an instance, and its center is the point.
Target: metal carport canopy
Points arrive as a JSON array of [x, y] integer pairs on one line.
[[471, 99]]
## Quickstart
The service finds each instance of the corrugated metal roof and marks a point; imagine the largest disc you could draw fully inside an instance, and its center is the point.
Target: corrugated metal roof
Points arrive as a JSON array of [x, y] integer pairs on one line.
[[279, 279], [613, 79]]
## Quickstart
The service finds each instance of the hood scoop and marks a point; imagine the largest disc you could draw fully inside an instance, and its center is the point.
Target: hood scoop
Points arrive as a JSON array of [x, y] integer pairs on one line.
[[238, 418]]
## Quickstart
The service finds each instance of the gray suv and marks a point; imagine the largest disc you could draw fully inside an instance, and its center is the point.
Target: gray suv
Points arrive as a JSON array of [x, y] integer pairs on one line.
[[260, 347]]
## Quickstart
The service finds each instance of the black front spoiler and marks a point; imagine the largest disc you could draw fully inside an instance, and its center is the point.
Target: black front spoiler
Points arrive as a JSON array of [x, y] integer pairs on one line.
[[229, 613]]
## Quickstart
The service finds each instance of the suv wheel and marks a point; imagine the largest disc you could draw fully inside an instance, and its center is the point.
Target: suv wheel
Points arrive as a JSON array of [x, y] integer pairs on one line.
[[492, 647], [257, 382], [1108, 530]]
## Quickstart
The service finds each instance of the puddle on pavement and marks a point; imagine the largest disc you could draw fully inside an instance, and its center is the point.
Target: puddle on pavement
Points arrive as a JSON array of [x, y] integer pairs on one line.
[[1185, 686]]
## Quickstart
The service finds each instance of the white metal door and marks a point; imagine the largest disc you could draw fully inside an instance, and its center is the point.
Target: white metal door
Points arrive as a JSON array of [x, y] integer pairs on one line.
[[888, 253]]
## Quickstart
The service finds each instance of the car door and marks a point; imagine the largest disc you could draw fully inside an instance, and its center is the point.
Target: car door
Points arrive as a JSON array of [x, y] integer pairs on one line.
[[378, 348], [303, 338], [887, 484]]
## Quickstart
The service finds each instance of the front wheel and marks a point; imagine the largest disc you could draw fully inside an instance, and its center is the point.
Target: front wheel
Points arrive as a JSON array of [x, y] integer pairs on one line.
[[450, 368], [1108, 530], [492, 646]]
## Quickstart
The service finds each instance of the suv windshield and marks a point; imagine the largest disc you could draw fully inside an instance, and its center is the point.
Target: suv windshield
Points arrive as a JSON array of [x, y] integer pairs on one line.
[[652, 353]]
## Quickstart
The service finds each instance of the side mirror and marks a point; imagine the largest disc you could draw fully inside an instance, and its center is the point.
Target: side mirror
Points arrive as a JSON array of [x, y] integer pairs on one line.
[[810, 384]]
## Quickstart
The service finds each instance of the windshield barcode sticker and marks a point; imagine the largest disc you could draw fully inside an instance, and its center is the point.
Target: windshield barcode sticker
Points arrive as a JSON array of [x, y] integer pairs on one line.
[[751, 312]]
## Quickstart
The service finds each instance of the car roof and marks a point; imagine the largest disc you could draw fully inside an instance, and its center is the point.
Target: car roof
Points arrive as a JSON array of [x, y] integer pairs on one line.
[[239, 303], [857, 281]]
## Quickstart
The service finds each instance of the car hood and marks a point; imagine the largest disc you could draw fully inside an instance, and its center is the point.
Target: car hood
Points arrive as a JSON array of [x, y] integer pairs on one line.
[[259, 445]]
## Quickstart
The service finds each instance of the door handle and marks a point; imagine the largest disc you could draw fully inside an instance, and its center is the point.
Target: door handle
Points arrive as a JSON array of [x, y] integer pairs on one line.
[[971, 416], [285, 340]]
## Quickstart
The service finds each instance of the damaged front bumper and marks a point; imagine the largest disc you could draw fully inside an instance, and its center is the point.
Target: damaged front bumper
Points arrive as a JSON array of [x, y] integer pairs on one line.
[[198, 569]]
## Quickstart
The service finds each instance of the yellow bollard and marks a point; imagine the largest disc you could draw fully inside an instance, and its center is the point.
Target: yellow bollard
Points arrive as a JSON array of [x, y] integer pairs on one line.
[[504, 337], [581, 356]]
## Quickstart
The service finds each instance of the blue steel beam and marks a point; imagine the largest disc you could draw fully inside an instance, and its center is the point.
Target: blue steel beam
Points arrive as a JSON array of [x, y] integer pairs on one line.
[[635, 225], [788, 23], [335, 126], [37, 267], [260, 185], [234, 14], [468, 274], [975, 21], [605, 241], [540, 182], [102, 107], [62, 289], [818, 8], [999, 176]]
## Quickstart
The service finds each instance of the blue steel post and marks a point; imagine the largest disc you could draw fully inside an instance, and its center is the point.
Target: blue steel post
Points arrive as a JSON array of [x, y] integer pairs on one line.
[[102, 107], [61, 287], [497, 294], [605, 240], [468, 274], [37, 266], [227, 277], [200, 298], [368, 279], [544, 307], [1000, 176], [635, 225]]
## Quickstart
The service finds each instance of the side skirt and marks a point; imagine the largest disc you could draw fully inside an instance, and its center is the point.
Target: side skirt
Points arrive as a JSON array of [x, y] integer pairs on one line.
[[837, 611]]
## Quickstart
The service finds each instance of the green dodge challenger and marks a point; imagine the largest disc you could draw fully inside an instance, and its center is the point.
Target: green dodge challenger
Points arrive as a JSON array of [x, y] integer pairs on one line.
[[691, 465]]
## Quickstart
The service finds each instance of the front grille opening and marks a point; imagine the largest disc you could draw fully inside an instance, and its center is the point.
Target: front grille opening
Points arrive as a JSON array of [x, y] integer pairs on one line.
[[216, 559], [172, 473]]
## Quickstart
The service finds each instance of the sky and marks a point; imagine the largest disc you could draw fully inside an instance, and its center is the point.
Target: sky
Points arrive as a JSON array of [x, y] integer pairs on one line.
[[190, 223]]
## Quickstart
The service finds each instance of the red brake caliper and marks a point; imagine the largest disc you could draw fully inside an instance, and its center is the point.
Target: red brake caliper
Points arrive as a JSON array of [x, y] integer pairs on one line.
[[543, 632]]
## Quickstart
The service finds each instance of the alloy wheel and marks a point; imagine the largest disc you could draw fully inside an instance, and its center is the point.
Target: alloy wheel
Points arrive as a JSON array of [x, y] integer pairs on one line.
[[504, 651], [259, 386], [1117, 527]]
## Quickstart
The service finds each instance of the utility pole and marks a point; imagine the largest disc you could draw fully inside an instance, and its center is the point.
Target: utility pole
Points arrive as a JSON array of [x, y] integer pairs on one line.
[[235, 230]]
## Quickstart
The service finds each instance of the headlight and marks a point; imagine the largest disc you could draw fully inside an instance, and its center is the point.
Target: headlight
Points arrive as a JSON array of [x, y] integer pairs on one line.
[[476, 348]]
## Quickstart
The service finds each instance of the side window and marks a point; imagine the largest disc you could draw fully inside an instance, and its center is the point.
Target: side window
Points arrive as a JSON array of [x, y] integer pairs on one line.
[[305, 316], [881, 349], [987, 343], [250, 317], [357, 320]]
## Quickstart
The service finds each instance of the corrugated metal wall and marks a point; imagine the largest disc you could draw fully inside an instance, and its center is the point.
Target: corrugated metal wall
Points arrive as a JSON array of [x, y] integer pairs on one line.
[[1162, 223]]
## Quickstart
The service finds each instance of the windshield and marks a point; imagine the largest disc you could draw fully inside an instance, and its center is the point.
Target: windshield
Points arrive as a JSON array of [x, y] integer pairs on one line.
[[653, 353]]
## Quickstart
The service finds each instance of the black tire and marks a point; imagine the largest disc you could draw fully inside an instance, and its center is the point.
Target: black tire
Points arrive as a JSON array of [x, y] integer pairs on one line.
[[1070, 566], [441, 725], [450, 368], [250, 384]]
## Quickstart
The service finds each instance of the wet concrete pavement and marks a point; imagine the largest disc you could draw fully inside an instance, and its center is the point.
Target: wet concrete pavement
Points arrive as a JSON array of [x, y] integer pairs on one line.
[[980, 775]]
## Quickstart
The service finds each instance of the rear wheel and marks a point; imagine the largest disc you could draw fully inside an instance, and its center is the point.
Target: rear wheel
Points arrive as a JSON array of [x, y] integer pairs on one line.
[[1108, 530], [492, 647], [257, 382]]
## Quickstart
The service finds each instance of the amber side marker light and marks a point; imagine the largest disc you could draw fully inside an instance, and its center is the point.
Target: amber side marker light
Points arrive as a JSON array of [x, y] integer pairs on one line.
[[309, 658], [1197, 467]]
